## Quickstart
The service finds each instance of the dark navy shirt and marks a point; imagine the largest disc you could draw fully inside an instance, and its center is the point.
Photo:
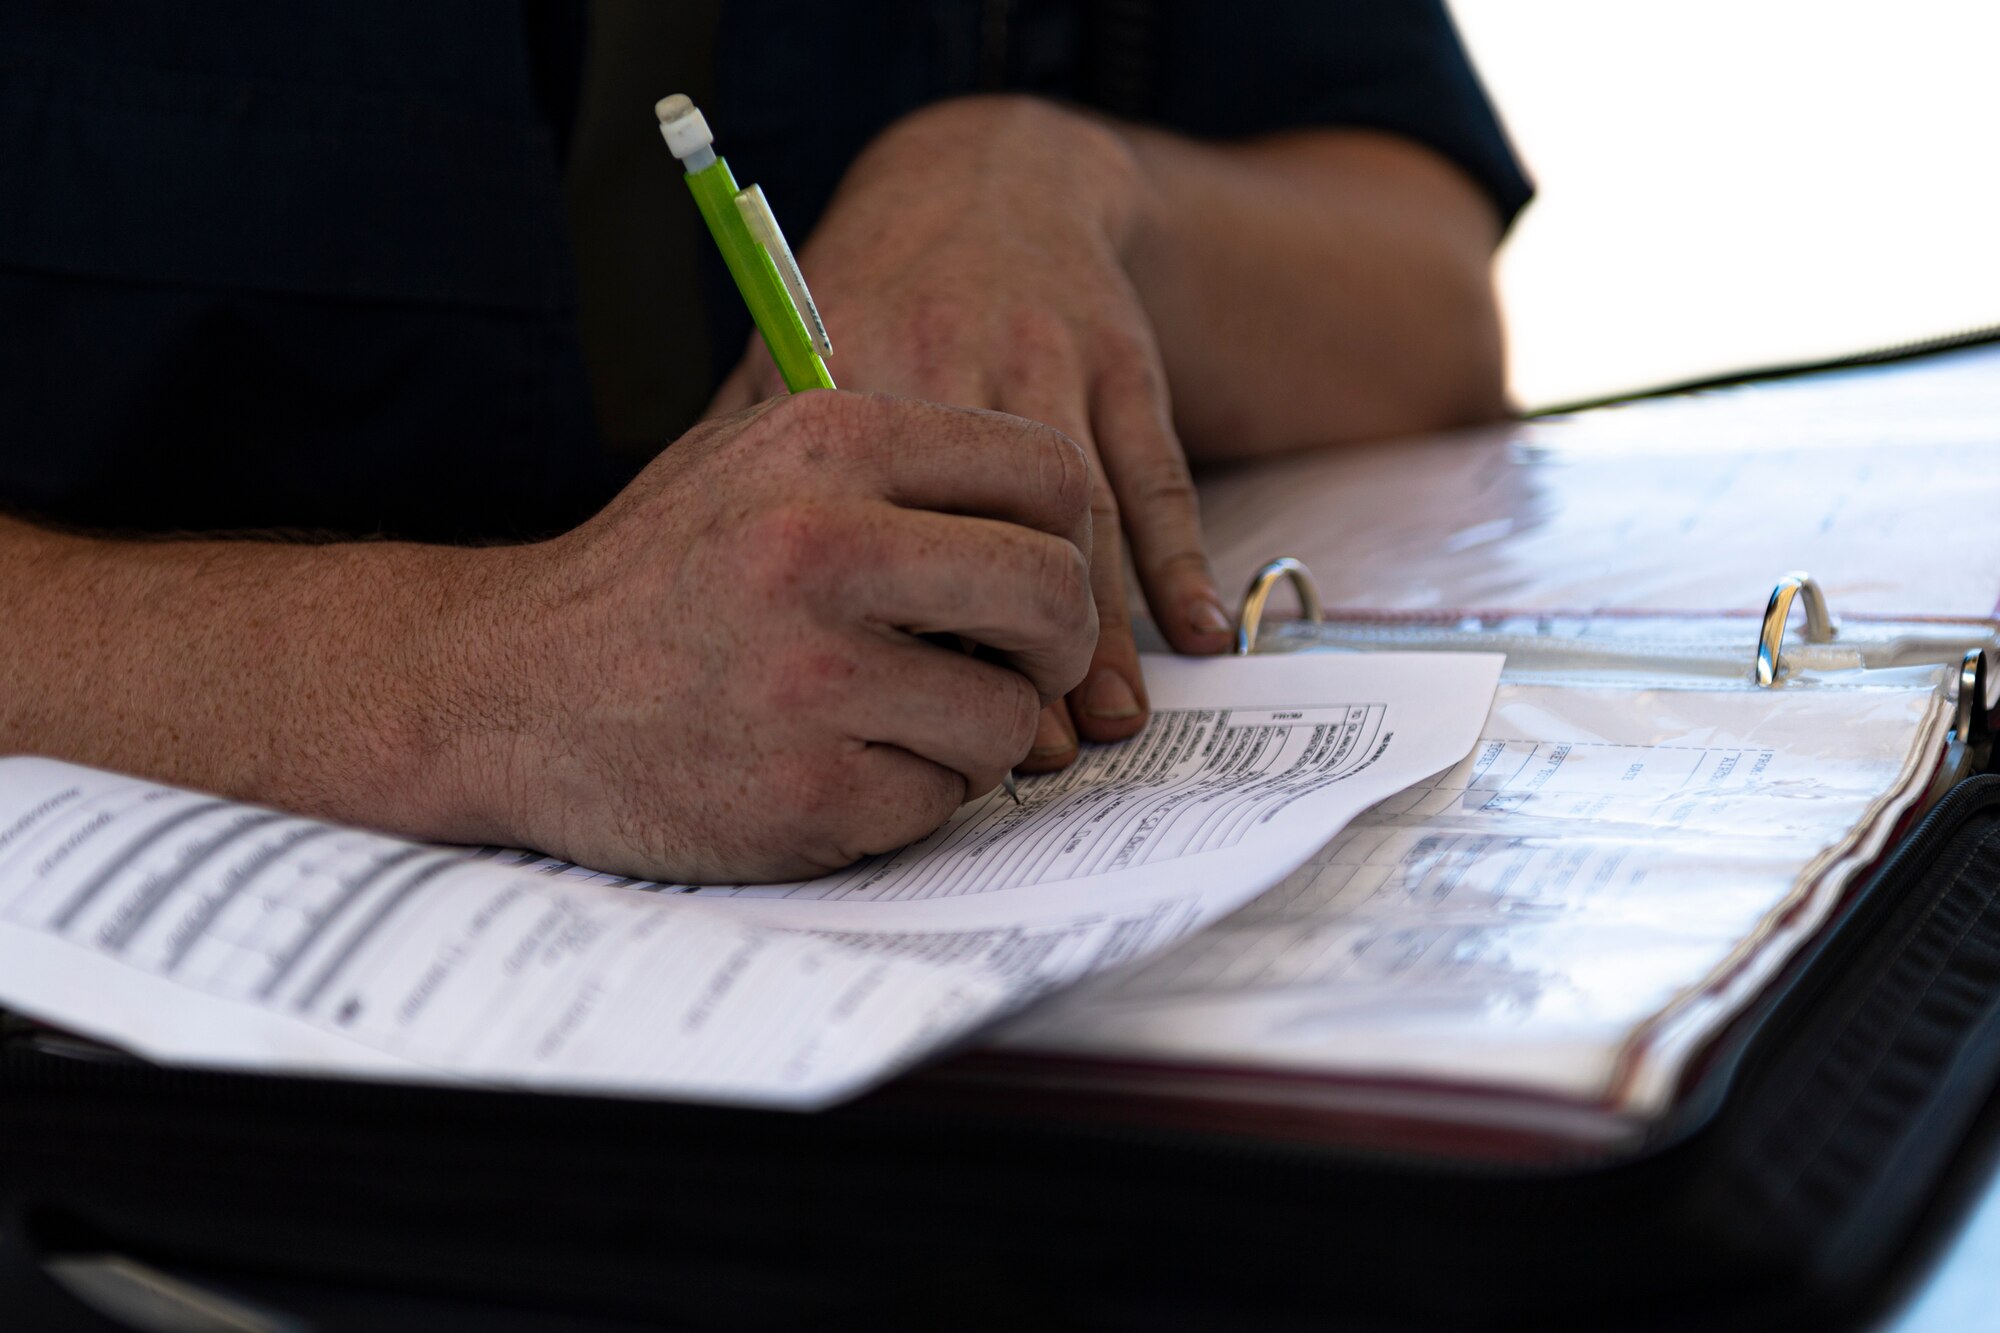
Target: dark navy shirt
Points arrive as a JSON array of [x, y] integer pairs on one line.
[[305, 266]]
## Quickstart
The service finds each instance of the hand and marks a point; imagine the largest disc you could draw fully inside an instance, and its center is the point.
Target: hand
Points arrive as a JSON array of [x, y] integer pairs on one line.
[[972, 256], [719, 677]]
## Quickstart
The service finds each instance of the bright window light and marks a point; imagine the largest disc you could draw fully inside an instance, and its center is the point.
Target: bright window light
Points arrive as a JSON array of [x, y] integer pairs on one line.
[[1732, 183]]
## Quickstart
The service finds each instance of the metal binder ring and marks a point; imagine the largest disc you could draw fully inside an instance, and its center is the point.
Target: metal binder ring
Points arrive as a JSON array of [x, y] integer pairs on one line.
[[1259, 592], [1969, 719], [1820, 627]]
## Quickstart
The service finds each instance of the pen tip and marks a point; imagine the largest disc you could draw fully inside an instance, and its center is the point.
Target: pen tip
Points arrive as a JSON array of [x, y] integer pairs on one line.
[[1013, 788]]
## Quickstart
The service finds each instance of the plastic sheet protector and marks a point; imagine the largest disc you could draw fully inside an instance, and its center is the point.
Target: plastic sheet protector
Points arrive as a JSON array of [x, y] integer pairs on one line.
[[1567, 914], [187, 928], [1879, 481]]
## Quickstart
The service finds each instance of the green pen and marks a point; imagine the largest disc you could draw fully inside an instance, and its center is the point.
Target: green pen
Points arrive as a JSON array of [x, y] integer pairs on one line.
[[754, 249]]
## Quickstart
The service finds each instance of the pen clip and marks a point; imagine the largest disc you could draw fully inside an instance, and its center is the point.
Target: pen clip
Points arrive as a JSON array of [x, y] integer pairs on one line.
[[757, 215]]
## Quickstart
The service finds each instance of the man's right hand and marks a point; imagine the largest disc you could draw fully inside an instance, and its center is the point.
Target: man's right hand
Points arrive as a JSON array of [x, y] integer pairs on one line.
[[720, 677]]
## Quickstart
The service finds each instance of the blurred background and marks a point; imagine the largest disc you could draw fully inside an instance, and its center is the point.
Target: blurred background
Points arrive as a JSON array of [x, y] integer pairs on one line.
[[1732, 183]]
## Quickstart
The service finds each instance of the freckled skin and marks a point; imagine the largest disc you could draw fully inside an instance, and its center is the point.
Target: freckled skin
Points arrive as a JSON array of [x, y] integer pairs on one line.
[[1295, 290], [716, 678]]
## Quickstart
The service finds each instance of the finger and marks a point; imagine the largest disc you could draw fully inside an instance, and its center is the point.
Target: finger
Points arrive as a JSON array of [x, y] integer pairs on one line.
[[975, 718], [1110, 704], [1148, 472], [735, 394], [1042, 382], [1024, 593], [965, 461], [882, 797], [749, 383], [1054, 745], [934, 353], [955, 383]]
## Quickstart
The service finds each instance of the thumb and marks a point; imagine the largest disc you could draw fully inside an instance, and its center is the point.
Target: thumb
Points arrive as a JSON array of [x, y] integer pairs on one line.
[[754, 379]]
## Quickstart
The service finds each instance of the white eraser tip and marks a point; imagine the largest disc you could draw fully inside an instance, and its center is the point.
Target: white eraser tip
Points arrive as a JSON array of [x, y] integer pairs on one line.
[[682, 125]]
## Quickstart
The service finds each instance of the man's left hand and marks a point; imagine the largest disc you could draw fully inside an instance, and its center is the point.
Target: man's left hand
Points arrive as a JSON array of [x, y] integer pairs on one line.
[[973, 256]]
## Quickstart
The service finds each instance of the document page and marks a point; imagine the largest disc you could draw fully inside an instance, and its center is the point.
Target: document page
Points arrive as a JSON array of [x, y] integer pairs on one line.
[[193, 929], [1605, 877], [1140, 843]]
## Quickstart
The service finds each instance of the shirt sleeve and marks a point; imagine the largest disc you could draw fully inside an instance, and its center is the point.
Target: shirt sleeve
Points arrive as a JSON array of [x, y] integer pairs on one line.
[[1229, 70], [286, 267], [801, 88]]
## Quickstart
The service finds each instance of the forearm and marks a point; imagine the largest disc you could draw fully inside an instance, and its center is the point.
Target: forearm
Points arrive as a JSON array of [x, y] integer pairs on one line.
[[1314, 287], [317, 678]]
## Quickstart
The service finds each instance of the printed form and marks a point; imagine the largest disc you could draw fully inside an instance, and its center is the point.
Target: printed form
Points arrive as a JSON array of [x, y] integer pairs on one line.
[[192, 929], [1568, 911]]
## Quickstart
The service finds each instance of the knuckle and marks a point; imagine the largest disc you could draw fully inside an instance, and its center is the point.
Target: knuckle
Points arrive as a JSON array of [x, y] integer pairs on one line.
[[1019, 733], [1063, 577], [829, 428], [945, 792], [1065, 472], [1128, 356], [1165, 481], [809, 682], [1062, 586], [1181, 562], [880, 817], [791, 547], [801, 412], [1038, 338], [811, 794], [1103, 505], [1139, 384], [934, 330]]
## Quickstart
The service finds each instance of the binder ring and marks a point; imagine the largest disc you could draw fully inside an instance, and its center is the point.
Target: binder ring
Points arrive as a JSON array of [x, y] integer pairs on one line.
[[1259, 592], [1820, 627], [1970, 716]]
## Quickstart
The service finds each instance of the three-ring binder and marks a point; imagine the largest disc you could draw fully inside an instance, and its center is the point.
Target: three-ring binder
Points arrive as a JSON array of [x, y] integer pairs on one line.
[[1820, 624], [1972, 734], [1251, 618]]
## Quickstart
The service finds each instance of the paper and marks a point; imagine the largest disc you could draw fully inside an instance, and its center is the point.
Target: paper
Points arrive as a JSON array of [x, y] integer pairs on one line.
[[1567, 912], [1139, 843], [192, 929], [1873, 480]]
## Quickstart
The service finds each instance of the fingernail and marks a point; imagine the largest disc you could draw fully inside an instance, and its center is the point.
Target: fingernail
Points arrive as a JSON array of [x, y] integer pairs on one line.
[[1109, 697], [1052, 737], [1208, 617]]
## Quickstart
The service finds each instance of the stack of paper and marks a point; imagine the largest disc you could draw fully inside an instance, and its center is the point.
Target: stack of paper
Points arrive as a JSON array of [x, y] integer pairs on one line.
[[188, 928], [1539, 940]]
